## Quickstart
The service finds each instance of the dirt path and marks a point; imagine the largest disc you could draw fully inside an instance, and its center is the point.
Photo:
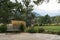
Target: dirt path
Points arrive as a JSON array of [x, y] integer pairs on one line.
[[28, 36]]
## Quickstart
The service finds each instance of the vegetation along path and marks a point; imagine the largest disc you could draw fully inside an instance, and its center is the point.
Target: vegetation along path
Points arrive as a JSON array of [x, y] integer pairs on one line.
[[28, 36]]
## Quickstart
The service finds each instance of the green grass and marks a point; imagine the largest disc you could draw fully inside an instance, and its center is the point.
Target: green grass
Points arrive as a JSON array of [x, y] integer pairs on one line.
[[51, 28]]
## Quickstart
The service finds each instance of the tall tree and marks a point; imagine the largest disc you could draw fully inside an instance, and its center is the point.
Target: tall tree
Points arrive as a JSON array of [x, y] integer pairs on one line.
[[5, 10], [25, 10], [57, 19], [47, 19]]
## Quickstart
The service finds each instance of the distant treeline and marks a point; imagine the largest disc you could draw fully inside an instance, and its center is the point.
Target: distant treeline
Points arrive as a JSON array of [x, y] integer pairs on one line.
[[47, 20]]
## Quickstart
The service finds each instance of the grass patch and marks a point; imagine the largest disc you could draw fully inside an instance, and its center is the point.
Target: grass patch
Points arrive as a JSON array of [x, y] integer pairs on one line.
[[50, 29]]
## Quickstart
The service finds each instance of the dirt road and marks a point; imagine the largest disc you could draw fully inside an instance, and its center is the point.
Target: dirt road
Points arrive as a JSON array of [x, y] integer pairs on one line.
[[28, 36]]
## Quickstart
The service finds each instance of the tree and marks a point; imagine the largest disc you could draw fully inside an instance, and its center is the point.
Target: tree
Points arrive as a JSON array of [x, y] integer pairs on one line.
[[25, 10], [40, 20], [47, 19], [5, 10], [44, 20], [57, 19], [18, 10], [38, 2]]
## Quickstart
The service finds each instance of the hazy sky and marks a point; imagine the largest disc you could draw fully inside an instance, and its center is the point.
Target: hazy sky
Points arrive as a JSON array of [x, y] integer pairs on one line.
[[52, 8]]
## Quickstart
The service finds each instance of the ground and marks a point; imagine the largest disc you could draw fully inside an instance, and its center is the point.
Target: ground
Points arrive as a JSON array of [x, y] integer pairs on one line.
[[28, 36]]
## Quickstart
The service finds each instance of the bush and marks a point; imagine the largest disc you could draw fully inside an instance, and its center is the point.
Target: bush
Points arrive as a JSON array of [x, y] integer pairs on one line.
[[32, 30], [53, 32], [50, 32], [58, 32], [22, 28], [3, 28], [35, 24], [36, 30], [40, 30]]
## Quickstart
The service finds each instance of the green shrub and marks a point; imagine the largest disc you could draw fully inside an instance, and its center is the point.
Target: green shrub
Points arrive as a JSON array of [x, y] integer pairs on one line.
[[40, 30], [35, 24], [50, 32], [32, 30], [22, 28], [36, 30], [53, 32], [3, 28], [58, 32]]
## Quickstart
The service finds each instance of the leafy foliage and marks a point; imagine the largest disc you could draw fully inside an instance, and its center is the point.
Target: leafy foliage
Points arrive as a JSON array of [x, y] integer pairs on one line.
[[3, 28], [22, 28], [6, 10], [32, 30], [38, 1], [40, 30]]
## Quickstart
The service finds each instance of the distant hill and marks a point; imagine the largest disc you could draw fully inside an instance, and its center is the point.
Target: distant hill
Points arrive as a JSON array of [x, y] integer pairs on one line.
[[50, 13], [37, 14]]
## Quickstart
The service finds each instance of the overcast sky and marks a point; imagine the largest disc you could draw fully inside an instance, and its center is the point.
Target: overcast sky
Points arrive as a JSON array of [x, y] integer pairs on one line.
[[52, 8]]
